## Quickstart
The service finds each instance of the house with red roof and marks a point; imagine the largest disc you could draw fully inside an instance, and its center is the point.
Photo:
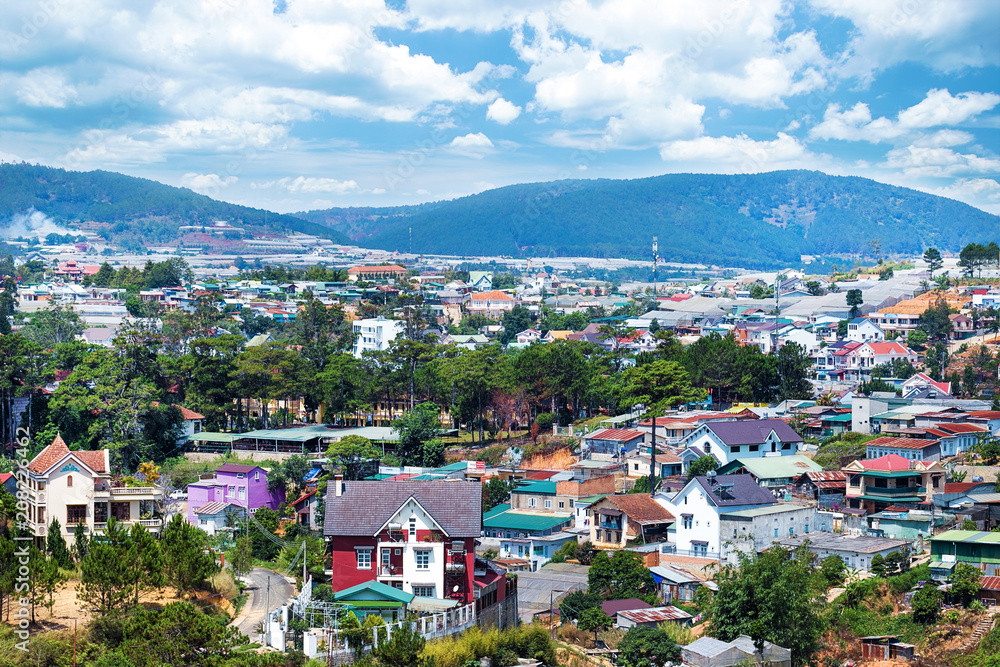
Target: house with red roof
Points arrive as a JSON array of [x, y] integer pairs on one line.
[[191, 424], [924, 385], [874, 484], [859, 361], [8, 482], [493, 304], [605, 443], [306, 510], [77, 487]]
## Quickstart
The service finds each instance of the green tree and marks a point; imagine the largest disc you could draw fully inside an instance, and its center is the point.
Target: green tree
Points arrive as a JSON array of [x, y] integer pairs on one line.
[[932, 256], [147, 572], [935, 322], [644, 646], [186, 563], [53, 325], [776, 596], [178, 634], [926, 604], [108, 572], [403, 649], [515, 320], [964, 582], [594, 619], [658, 386], [55, 545], [81, 544], [416, 428], [794, 366], [854, 300], [623, 575], [878, 565], [577, 602], [241, 557], [833, 570], [916, 338], [702, 465], [497, 492]]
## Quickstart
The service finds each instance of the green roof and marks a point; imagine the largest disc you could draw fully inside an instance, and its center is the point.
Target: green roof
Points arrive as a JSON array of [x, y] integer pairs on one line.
[[453, 467], [375, 588], [846, 417], [298, 434], [535, 521], [543, 488], [979, 536], [379, 476], [590, 500], [773, 467], [208, 436], [499, 509]]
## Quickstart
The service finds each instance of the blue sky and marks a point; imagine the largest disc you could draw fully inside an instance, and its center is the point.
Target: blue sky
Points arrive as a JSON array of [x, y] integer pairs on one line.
[[303, 104]]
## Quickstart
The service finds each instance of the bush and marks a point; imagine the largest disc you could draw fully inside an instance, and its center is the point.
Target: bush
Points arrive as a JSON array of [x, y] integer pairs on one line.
[[545, 419], [503, 648]]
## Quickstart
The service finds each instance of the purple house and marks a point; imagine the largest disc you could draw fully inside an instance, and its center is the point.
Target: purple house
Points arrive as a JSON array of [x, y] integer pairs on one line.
[[241, 485]]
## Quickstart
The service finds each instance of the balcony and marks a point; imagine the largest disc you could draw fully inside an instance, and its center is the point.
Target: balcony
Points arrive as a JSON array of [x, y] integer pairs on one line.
[[155, 524], [610, 525], [126, 491], [893, 492]]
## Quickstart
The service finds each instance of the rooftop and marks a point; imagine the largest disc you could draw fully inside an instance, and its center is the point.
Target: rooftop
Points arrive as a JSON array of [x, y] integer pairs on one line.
[[851, 543], [775, 467], [526, 521], [752, 432]]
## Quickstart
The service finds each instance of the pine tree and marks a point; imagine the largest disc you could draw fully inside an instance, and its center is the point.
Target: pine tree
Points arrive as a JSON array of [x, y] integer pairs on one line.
[[81, 545], [56, 545]]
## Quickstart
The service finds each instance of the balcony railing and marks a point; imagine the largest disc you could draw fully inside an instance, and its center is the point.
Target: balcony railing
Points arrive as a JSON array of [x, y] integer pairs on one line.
[[609, 525], [894, 492], [135, 490]]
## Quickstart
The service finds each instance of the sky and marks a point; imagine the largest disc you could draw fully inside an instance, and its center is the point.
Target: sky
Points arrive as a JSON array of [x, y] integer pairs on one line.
[[294, 105]]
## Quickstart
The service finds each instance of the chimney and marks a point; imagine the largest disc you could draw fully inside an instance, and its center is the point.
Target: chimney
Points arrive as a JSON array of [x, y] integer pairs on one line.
[[338, 484]]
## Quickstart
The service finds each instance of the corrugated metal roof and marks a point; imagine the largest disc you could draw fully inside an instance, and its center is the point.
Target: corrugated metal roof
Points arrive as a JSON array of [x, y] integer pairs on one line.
[[655, 615], [527, 521], [990, 583]]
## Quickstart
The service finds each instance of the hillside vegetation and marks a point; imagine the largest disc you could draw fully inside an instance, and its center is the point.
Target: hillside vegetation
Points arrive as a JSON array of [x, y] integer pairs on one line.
[[748, 220], [139, 211]]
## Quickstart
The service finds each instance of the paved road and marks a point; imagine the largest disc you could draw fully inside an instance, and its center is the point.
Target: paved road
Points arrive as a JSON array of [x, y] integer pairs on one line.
[[258, 599]]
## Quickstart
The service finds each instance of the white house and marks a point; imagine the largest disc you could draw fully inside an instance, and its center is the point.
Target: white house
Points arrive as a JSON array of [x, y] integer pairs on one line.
[[698, 508], [744, 439], [862, 330], [216, 516], [375, 334], [77, 487]]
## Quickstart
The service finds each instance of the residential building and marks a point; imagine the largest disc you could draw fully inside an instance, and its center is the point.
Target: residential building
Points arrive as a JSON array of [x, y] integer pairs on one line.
[[729, 440], [493, 304], [376, 273], [373, 598], [242, 485], [78, 487], [669, 464], [532, 536], [826, 487], [375, 334], [608, 443], [916, 449], [216, 516], [975, 547], [619, 519], [773, 472], [675, 583], [306, 508], [956, 438], [8, 482], [559, 496], [755, 528], [904, 523], [859, 361], [191, 422], [415, 536], [863, 330], [699, 505], [874, 484], [857, 552], [989, 591]]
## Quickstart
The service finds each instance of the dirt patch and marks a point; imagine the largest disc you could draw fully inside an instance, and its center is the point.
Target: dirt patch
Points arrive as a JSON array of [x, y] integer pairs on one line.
[[560, 459]]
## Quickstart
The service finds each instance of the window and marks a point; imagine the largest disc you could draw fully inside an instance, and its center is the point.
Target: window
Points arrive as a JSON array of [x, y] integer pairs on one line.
[[807, 528], [562, 504], [538, 551], [734, 449], [708, 448], [687, 520], [413, 527], [240, 475], [775, 532], [423, 591], [69, 481], [548, 504], [754, 448], [243, 492], [364, 559], [531, 502], [571, 503], [423, 559], [256, 475], [855, 480], [396, 552], [232, 490], [76, 514]]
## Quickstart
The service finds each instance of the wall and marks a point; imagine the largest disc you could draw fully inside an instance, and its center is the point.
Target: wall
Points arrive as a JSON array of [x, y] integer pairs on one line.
[[705, 519], [759, 532], [58, 495]]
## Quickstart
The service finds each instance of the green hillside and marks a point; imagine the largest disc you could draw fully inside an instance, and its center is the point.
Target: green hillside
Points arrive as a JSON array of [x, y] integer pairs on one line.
[[140, 212], [745, 220]]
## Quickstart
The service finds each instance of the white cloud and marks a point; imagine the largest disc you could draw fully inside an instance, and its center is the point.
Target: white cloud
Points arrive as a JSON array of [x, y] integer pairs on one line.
[[474, 144], [940, 108], [980, 192], [207, 184], [854, 124], [45, 87], [309, 185], [944, 138], [938, 162], [502, 111], [739, 153]]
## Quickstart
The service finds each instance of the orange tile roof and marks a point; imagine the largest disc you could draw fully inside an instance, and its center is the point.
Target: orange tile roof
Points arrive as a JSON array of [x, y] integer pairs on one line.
[[493, 295], [49, 456], [395, 268], [185, 413]]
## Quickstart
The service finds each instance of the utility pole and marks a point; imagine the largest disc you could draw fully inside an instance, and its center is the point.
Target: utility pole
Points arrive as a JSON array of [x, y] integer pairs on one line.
[[654, 274], [652, 461], [267, 603], [304, 571]]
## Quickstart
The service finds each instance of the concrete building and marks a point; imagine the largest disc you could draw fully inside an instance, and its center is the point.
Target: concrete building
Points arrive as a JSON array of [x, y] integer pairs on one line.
[[756, 528], [621, 518], [729, 440], [242, 485], [856, 551], [375, 334]]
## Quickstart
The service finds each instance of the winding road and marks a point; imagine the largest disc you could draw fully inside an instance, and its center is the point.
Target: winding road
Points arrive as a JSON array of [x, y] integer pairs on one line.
[[259, 599]]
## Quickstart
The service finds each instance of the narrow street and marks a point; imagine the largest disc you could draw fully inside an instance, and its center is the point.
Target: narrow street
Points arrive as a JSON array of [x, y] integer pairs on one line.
[[259, 600]]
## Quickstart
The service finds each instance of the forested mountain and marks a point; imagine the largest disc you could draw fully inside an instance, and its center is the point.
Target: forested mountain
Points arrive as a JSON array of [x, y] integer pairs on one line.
[[140, 211], [745, 220]]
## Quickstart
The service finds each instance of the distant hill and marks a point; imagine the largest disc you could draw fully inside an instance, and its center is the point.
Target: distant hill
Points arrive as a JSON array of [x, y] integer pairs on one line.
[[757, 220], [140, 212]]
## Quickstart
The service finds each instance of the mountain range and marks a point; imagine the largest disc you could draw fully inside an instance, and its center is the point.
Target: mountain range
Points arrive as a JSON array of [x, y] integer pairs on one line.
[[749, 220]]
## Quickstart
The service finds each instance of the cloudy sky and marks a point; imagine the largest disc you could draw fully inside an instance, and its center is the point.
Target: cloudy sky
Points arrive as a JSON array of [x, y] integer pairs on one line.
[[301, 104]]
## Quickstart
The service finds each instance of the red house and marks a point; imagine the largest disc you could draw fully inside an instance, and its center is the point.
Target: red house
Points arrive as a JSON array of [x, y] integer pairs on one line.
[[417, 536]]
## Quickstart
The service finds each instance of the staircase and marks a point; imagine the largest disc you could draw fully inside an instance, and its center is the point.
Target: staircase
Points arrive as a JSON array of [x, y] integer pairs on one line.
[[982, 628]]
